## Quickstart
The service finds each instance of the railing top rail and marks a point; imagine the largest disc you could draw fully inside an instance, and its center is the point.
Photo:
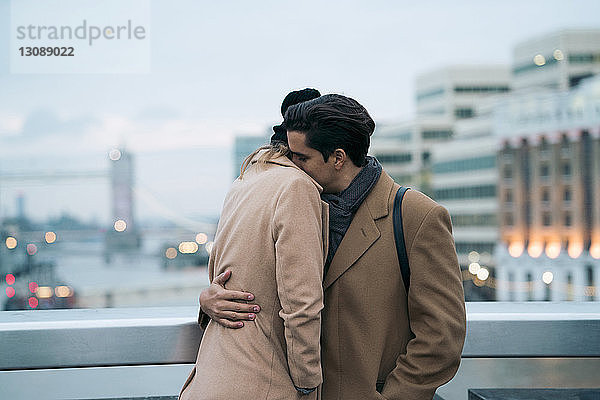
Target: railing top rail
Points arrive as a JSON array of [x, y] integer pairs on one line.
[[170, 335]]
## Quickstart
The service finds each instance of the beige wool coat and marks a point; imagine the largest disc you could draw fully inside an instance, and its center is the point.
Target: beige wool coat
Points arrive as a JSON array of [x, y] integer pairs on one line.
[[372, 332], [272, 235]]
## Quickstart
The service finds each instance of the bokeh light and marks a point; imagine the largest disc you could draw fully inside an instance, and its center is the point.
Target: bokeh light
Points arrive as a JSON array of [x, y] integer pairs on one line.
[[201, 238], [188, 247], [120, 225], [483, 274], [553, 250], [44, 292], [474, 268], [62, 291], [473, 256], [33, 302], [50, 237], [171, 253], [535, 249], [11, 242], [515, 249], [539, 60], [31, 249], [115, 154]]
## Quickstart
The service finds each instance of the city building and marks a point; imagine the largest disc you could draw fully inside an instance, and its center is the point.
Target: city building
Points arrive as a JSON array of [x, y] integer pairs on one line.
[[453, 92], [558, 60], [444, 97], [549, 194], [404, 149], [464, 180], [245, 145]]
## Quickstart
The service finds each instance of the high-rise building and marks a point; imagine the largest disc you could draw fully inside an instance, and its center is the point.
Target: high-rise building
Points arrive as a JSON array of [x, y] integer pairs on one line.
[[464, 180], [549, 194], [404, 149], [558, 60], [453, 92], [445, 97]]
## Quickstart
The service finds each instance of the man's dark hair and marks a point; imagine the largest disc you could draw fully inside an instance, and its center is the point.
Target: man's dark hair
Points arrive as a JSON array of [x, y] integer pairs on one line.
[[333, 122]]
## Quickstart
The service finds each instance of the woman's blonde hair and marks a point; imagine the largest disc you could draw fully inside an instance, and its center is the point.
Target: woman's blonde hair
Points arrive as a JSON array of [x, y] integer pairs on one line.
[[274, 150]]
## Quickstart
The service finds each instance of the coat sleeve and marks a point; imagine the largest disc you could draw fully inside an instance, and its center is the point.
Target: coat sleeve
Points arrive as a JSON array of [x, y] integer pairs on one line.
[[436, 310], [297, 234], [203, 318]]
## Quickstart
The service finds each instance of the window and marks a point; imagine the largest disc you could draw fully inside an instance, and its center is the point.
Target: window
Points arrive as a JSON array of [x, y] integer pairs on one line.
[[544, 171], [545, 195], [461, 113], [590, 283], [465, 192], [570, 287], [509, 219], [437, 134], [529, 287], [508, 196], [467, 164], [585, 58], [400, 158], [567, 195], [565, 146], [547, 219], [481, 89], [566, 169], [568, 219], [474, 220], [508, 172]]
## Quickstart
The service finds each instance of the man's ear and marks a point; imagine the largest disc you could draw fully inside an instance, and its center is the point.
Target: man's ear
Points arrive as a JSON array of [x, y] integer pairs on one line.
[[340, 158]]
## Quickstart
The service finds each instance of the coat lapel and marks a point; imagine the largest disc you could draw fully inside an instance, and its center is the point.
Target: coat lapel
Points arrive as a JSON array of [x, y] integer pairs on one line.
[[361, 234], [363, 231]]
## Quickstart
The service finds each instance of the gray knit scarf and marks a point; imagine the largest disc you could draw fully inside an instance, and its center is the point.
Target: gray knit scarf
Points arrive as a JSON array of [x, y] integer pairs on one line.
[[343, 205]]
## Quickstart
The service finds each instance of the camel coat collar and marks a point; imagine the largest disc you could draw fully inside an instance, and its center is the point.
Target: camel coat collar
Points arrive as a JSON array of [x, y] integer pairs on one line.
[[363, 226]]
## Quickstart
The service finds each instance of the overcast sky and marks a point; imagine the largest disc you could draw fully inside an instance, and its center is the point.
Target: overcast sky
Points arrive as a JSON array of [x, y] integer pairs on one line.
[[222, 68]]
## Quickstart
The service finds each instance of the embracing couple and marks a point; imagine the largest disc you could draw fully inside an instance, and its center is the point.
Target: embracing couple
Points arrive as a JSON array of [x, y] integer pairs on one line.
[[308, 299]]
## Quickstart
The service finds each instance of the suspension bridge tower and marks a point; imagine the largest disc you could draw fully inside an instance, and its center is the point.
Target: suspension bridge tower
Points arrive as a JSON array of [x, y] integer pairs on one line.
[[123, 235]]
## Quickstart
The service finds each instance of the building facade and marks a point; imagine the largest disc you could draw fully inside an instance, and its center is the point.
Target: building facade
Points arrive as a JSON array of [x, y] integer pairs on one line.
[[556, 61], [549, 194]]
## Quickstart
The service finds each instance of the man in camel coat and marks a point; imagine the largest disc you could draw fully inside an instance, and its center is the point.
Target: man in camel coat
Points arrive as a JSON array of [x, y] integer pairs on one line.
[[378, 342]]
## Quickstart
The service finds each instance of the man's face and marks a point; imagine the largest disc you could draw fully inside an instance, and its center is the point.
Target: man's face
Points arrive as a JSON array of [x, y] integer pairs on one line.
[[311, 160]]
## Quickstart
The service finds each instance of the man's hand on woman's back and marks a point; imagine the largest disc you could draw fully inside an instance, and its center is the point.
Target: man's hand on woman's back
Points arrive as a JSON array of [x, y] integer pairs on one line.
[[226, 307]]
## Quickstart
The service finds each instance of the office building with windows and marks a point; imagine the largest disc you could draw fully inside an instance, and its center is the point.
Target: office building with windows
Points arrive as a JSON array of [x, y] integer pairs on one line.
[[558, 60], [464, 180], [444, 98], [549, 194], [453, 92], [404, 149]]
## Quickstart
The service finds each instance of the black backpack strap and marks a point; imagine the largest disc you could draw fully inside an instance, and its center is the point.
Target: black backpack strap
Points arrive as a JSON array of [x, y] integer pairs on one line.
[[399, 236]]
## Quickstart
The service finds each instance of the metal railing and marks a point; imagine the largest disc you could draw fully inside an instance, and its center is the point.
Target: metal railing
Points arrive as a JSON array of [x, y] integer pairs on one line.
[[137, 352]]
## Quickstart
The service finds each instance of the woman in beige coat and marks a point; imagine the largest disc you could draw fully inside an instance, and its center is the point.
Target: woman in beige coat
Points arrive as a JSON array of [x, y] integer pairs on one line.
[[272, 236]]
